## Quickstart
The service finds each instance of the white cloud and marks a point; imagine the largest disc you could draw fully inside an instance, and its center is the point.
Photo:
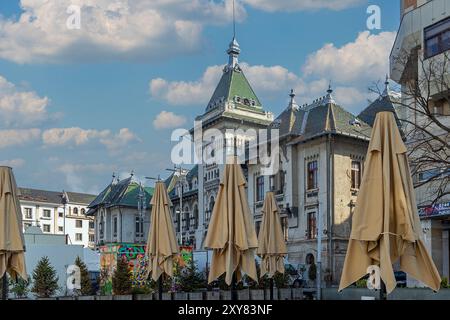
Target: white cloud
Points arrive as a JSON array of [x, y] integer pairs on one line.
[[18, 137], [301, 5], [13, 163], [367, 57], [351, 68], [20, 107], [59, 137], [119, 140], [72, 136], [167, 120], [120, 29]]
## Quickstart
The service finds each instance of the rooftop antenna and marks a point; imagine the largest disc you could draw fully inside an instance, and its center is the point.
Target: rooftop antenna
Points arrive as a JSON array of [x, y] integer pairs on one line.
[[234, 22]]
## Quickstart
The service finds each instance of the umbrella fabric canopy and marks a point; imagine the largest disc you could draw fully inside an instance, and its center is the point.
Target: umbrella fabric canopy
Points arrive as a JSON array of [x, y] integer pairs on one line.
[[231, 232], [386, 226], [271, 244], [12, 259], [162, 246]]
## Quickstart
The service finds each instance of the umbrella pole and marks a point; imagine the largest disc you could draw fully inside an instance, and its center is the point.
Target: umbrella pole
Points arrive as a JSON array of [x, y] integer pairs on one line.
[[4, 287], [233, 288], [382, 290], [160, 288], [271, 288]]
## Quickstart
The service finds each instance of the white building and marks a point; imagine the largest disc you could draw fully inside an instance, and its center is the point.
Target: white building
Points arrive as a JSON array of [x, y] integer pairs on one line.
[[46, 209], [423, 40]]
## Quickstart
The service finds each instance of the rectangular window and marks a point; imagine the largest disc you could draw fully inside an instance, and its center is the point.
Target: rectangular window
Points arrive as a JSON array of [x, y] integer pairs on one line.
[[139, 227], [437, 38], [79, 223], [311, 225], [91, 238], [28, 213], [356, 174], [91, 225], [46, 227], [78, 236], [61, 229], [46, 213], [115, 227], [312, 175], [260, 188], [61, 214]]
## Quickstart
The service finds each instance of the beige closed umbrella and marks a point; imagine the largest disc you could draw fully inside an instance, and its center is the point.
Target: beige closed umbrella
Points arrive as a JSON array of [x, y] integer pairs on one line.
[[386, 226], [231, 232], [271, 243], [12, 249], [162, 246]]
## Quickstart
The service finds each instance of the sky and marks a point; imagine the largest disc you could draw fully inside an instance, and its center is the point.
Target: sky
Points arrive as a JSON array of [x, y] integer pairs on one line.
[[77, 104]]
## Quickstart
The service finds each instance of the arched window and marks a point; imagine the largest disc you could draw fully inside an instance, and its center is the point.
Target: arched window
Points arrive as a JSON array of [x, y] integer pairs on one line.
[[186, 218], [83, 211], [211, 207], [309, 258], [75, 210]]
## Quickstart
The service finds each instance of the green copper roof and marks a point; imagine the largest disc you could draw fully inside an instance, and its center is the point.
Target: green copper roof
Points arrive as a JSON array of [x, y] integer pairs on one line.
[[122, 193], [234, 83]]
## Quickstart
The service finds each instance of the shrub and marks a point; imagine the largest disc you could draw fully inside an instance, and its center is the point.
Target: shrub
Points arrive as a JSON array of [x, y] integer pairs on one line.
[[121, 280], [20, 288]]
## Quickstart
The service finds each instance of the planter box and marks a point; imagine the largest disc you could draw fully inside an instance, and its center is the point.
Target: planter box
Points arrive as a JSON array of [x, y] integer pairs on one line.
[[180, 296], [257, 294], [243, 294], [195, 295], [267, 294], [225, 295], [284, 294], [104, 298], [123, 297], [213, 295], [143, 297], [419, 294], [297, 294], [86, 298], [166, 296], [348, 294]]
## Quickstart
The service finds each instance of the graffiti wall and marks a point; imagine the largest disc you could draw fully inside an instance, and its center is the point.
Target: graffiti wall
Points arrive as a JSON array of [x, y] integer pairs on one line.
[[134, 254], [137, 260]]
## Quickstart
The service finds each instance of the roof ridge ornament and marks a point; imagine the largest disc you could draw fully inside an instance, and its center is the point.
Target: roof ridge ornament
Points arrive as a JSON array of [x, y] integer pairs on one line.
[[329, 98], [386, 87], [292, 103]]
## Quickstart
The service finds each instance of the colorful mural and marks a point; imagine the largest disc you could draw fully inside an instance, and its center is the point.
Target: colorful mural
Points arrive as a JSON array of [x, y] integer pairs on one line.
[[137, 262], [133, 253]]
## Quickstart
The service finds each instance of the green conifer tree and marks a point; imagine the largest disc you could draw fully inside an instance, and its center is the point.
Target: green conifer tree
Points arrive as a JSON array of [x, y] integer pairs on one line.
[[85, 281], [45, 280], [121, 280]]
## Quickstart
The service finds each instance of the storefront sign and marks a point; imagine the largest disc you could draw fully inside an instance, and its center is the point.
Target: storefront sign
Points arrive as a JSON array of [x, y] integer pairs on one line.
[[440, 209]]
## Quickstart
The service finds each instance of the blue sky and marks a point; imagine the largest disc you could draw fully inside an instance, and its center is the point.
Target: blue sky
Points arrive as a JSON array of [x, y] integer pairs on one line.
[[76, 105]]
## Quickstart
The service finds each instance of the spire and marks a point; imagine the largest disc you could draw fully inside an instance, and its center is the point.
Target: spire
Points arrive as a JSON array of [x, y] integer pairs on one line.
[[292, 104], [113, 181], [233, 49], [386, 87], [329, 98]]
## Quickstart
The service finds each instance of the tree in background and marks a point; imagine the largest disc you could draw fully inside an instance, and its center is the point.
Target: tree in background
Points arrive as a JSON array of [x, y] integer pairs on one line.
[[45, 279], [20, 288], [190, 279], [85, 281], [121, 280]]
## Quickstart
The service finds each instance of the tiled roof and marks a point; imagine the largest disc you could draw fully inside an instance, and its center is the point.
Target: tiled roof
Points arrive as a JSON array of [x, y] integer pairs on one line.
[[38, 195], [383, 103], [234, 83], [123, 193]]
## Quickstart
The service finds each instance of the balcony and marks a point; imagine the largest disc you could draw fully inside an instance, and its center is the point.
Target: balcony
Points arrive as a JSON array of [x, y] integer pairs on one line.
[[410, 33]]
